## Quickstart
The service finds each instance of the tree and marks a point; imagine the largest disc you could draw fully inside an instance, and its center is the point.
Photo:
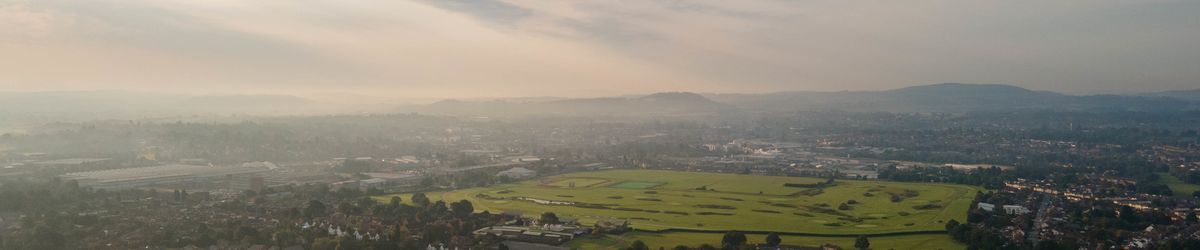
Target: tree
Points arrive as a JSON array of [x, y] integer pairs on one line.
[[248, 234], [44, 237], [1047, 245], [1129, 215], [638, 245], [206, 238], [681, 247], [462, 208], [347, 243], [314, 208], [420, 200], [347, 208], [950, 225], [773, 239], [843, 206], [733, 240], [324, 243], [285, 237], [862, 242], [395, 202], [549, 218]]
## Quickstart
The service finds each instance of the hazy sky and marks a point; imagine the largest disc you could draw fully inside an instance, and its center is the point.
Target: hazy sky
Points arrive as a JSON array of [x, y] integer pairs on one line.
[[482, 48]]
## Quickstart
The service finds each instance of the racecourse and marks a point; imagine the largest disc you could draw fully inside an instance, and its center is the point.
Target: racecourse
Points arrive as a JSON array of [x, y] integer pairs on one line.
[[696, 202]]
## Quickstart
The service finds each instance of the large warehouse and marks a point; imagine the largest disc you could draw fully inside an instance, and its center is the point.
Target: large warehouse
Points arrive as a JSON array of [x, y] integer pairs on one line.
[[127, 178]]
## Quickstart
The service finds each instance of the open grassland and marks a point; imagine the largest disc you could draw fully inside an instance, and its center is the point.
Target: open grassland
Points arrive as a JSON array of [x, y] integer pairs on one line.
[[669, 240], [636, 184], [658, 200], [1178, 187], [577, 182]]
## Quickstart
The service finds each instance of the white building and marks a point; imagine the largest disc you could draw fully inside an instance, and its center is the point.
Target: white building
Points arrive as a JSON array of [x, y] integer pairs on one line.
[[517, 173], [987, 206]]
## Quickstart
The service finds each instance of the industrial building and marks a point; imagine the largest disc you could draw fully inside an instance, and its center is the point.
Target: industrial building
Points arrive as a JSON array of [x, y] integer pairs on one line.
[[551, 234], [128, 178]]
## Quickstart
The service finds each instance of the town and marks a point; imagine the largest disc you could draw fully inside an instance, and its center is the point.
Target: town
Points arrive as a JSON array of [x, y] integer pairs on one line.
[[599, 125], [210, 186]]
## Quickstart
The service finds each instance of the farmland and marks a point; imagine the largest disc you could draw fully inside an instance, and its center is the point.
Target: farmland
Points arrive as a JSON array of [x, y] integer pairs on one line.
[[660, 200]]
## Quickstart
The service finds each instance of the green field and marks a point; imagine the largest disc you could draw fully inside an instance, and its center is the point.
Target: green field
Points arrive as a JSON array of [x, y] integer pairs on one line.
[[1178, 187], [669, 240], [656, 200], [637, 184], [576, 182]]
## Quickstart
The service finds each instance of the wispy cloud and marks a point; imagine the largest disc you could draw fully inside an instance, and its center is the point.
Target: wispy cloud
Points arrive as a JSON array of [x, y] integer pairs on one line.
[[533, 47], [490, 10]]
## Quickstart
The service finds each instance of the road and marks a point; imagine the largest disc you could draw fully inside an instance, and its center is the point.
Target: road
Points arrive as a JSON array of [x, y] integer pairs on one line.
[[1043, 209]]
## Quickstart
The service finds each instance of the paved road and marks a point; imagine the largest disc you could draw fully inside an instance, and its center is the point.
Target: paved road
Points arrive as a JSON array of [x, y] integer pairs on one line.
[[1043, 208]]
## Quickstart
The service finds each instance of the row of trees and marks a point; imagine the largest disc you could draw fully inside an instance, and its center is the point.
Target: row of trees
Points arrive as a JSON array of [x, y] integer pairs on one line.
[[734, 240]]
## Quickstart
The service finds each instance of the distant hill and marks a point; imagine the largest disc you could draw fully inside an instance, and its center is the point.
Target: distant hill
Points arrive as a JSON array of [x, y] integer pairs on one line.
[[944, 97], [671, 103], [247, 103], [948, 97], [1190, 95], [41, 107]]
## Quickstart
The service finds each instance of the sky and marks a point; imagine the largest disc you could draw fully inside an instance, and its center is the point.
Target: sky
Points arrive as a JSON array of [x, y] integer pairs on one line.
[[514, 48]]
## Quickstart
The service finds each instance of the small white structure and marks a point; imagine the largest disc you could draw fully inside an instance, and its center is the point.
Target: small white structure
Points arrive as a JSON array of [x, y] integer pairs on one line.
[[517, 173], [987, 206], [1139, 243]]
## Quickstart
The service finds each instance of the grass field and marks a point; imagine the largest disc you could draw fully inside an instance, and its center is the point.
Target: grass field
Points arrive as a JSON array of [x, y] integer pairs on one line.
[[637, 184], [669, 240], [577, 182], [1178, 187], [656, 200]]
